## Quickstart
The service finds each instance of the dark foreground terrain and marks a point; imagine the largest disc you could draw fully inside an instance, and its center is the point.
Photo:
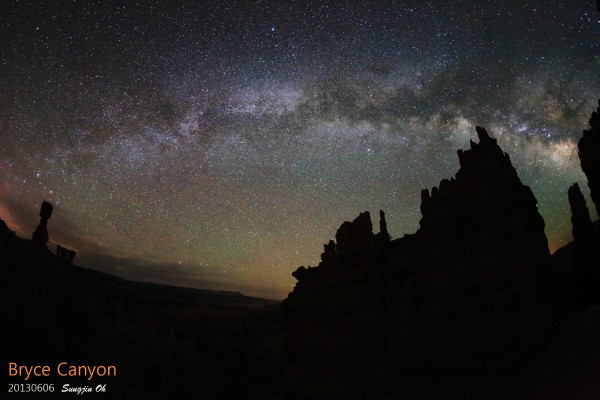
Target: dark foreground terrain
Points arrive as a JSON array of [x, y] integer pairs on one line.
[[165, 342], [169, 342]]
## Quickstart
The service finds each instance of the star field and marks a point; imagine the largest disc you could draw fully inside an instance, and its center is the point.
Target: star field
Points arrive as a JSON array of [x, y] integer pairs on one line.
[[220, 144]]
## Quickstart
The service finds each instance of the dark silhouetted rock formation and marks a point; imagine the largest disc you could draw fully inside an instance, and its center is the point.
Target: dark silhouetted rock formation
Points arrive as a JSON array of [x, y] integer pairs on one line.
[[383, 235], [446, 312], [589, 154], [65, 254], [582, 286], [583, 229], [40, 235], [7, 240], [354, 237]]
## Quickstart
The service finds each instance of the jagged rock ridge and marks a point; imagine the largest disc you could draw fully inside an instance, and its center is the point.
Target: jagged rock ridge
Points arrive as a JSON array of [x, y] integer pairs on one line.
[[589, 154], [465, 296]]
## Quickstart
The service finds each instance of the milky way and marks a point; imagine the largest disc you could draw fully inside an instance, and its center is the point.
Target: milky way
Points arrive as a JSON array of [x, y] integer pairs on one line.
[[219, 145]]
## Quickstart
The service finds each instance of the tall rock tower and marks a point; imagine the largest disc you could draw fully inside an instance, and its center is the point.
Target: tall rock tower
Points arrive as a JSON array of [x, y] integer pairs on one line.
[[40, 235]]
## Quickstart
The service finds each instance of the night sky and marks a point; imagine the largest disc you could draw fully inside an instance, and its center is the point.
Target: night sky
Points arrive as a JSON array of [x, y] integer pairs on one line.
[[218, 145]]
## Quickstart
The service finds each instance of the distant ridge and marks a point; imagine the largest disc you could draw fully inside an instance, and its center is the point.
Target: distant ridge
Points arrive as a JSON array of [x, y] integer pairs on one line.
[[165, 341], [14, 248]]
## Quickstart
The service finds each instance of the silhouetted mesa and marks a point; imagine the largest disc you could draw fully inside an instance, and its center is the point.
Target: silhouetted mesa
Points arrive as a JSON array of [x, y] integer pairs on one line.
[[589, 154], [40, 235], [466, 298]]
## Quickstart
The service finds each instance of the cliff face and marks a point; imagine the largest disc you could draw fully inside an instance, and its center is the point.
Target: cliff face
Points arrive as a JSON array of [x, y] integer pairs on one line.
[[464, 299]]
